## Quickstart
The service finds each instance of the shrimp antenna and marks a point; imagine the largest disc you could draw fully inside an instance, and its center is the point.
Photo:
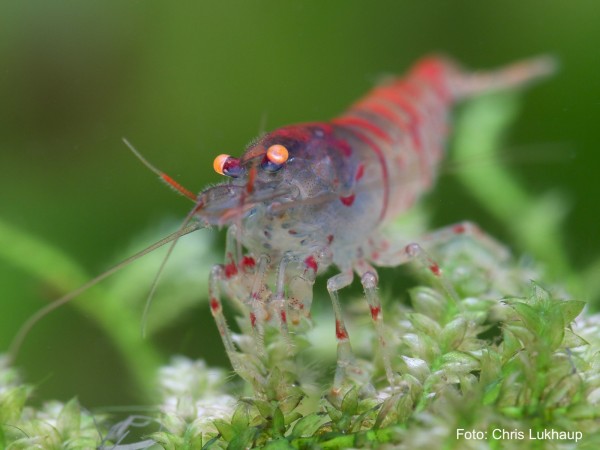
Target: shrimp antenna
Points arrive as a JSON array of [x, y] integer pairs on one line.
[[183, 191], [184, 226], [29, 324], [163, 176]]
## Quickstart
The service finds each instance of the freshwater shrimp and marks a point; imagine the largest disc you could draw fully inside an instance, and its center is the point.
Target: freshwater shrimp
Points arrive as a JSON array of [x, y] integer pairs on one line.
[[305, 197]]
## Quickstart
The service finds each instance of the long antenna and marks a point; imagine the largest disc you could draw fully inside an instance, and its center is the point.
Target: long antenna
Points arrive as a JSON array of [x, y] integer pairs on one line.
[[185, 225], [163, 176], [185, 192], [29, 324]]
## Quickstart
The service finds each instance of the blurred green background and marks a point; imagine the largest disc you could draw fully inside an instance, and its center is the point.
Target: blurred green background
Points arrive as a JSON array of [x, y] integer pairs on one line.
[[185, 81]]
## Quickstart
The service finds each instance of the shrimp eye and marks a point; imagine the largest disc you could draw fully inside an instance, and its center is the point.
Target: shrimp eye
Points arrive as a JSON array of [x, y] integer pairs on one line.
[[275, 158], [277, 154], [227, 165]]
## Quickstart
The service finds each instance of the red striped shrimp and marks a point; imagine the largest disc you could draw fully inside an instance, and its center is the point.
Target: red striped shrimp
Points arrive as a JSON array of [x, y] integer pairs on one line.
[[306, 197]]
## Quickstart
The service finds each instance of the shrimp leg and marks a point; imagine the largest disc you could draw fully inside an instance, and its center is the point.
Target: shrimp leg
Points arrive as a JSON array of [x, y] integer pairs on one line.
[[345, 356], [389, 254], [346, 366], [242, 366], [369, 281], [470, 230], [279, 304]]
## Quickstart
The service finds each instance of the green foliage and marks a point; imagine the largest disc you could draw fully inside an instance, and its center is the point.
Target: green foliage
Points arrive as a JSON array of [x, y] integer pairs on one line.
[[53, 426], [526, 361], [520, 362]]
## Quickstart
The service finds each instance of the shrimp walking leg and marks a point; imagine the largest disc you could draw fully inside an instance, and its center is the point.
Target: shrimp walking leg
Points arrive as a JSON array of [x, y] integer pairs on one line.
[[470, 230], [397, 254], [241, 366], [279, 304], [345, 356], [257, 304], [244, 281], [369, 281], [391, 255]]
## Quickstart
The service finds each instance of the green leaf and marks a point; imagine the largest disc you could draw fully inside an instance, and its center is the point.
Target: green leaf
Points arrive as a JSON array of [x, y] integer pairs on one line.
[[563, 391], [69, 419], [387, 407], [243, 440], [417, 367], [167, 440], [539, 294], [308, 425], [425, 324], [350, 402], [279, 444], [428, 302], [529, 315], [210, 444], [511, 342], [334, 413], [515, 412], [240, 418], [225, 429], [570, 309], [278, 423], [572, 340], [12, 404], [292, 417], [264, 407], [453, 334], [584, 411], [290, 403], [492, 392], [193, 437]]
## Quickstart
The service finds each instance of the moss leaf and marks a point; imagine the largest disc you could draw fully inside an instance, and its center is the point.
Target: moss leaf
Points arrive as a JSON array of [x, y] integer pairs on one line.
[[69, 419], [308, 425]]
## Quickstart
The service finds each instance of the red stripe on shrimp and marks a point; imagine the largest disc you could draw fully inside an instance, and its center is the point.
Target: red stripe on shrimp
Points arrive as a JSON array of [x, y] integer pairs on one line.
[[390, 112], [382, 162], [403, 95], [395, 95], [377, 106], [364, 123], [434, 71]]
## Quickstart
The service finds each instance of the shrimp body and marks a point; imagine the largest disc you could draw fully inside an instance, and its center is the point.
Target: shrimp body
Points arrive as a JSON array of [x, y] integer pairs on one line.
[[347, 178], [308, 196], [305, 197]]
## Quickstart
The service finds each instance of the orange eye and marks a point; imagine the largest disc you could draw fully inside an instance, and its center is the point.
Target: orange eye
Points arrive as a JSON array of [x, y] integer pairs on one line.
[[277, 154], [228, 166], [219, 163]]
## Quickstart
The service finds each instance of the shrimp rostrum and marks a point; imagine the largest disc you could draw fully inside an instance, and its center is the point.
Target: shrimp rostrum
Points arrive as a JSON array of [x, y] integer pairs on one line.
[[306, 197]]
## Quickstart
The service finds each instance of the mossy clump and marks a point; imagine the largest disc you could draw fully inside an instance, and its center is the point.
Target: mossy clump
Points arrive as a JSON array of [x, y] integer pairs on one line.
[[508, 357]]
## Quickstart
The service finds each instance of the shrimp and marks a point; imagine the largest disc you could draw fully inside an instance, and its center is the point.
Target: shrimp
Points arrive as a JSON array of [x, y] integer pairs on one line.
[[309, 196], [306, 197]]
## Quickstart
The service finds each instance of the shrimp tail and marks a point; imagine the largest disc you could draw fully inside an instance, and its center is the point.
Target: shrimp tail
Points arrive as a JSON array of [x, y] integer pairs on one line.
[[519, 74], [455, 84]]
